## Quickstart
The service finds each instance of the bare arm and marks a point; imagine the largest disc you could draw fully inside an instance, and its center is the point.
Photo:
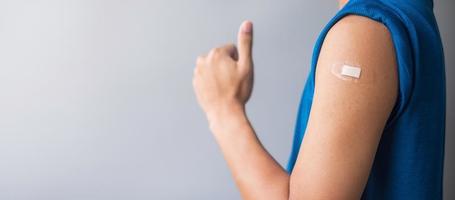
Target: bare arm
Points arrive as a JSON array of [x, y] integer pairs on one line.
[[346, 119]]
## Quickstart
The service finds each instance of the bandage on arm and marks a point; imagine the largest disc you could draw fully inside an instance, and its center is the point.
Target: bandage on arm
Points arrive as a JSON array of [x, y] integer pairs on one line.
[[355, 91]]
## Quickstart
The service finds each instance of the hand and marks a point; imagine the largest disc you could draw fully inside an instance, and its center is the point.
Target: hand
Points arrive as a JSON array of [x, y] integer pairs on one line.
[[223, 79]]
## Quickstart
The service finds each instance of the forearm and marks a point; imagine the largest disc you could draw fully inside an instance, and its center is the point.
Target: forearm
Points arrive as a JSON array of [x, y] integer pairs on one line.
[[255, 172]]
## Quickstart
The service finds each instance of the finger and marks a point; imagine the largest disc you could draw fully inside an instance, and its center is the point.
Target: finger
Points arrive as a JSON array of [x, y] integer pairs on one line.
[[245, 41]]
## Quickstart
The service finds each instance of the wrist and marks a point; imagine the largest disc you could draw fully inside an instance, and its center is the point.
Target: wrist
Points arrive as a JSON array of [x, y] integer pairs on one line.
[[226, 117]]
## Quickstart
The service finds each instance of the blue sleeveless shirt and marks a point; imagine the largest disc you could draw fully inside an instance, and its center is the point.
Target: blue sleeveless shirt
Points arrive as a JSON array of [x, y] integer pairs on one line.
[[410, 157]]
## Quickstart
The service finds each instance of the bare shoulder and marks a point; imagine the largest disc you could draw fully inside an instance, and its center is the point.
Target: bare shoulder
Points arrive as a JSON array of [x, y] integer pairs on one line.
[[360, 27], [363, 43], [360, 39]]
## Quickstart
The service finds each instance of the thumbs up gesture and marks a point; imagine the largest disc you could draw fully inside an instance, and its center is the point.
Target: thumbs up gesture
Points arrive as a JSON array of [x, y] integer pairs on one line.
[[223, 79]]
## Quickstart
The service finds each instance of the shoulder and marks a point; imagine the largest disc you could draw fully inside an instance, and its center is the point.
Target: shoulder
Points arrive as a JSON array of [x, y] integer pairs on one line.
[[355, 34], [366, 44]]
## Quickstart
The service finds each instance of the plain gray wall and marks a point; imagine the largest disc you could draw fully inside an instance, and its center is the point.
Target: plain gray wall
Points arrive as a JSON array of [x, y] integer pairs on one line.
[[96, 100]]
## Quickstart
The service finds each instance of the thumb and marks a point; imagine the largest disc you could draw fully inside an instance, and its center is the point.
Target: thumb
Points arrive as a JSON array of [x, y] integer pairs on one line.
[[245, 42]]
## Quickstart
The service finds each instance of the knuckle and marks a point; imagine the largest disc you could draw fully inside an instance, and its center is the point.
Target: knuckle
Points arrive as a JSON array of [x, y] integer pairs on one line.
[[215, 51], [211, 52], [199, 60]]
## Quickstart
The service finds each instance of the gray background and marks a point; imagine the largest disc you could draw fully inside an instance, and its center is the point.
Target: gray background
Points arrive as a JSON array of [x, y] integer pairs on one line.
[[96, 99]]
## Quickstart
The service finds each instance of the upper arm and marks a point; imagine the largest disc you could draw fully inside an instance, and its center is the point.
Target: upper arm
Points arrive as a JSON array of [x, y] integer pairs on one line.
[[347, 117]]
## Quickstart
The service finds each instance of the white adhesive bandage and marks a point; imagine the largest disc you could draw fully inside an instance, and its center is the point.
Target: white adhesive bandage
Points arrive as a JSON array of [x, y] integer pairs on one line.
[[351, 71], [348, 72]]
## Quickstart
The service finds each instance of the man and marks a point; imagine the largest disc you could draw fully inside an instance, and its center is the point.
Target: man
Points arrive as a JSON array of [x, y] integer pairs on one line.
[[372, 113]]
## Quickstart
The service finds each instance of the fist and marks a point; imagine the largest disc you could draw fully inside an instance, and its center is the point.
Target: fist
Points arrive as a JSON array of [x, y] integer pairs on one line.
[[224, 77]]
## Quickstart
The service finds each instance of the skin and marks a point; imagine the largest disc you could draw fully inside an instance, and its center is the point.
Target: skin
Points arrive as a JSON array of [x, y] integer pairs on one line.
[[341, 3], [346, 119]]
